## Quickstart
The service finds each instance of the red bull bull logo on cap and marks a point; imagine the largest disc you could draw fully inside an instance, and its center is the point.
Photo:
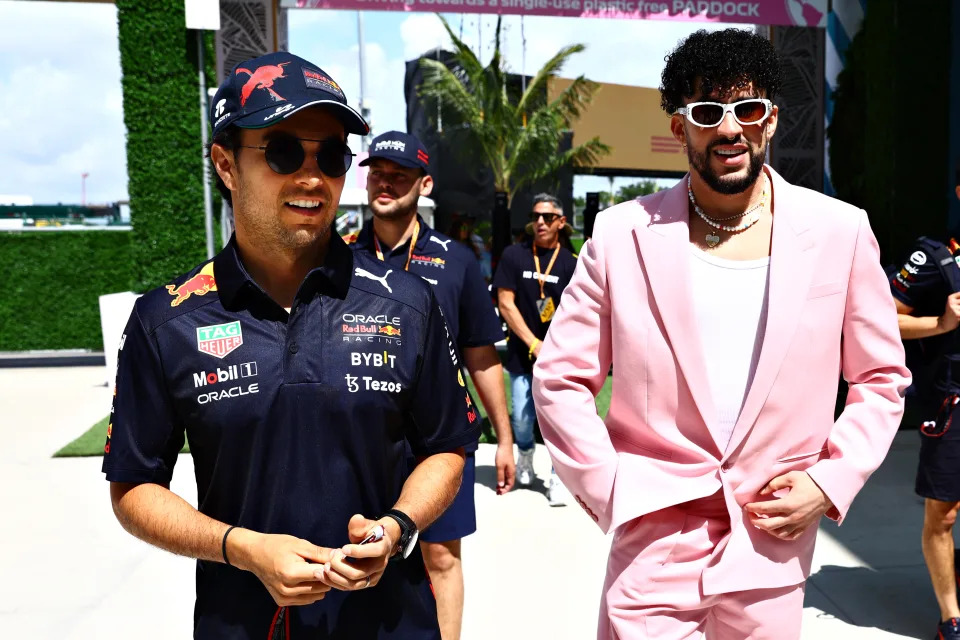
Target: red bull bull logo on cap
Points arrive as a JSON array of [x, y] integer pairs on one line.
[[219, 339], [199, 284]]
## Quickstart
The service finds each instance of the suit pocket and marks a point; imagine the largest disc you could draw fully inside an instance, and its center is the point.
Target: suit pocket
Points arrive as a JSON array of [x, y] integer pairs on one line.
[[825, 289], [801, 456]]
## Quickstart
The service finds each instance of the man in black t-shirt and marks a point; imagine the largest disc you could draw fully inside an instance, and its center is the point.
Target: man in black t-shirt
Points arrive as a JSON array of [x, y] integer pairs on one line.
[[928, 307], [530, 279]]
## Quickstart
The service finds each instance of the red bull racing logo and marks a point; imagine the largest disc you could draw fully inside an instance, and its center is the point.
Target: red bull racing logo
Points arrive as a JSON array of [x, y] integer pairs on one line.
[[262, 78], [390, 330], [200, 284]]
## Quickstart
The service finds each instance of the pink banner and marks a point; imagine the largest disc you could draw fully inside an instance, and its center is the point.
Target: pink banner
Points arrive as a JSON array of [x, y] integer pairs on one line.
[[803, 13]]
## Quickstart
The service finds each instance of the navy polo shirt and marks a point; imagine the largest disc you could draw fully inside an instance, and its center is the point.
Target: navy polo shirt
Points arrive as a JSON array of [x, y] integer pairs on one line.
[[454, 273], [295, 422]]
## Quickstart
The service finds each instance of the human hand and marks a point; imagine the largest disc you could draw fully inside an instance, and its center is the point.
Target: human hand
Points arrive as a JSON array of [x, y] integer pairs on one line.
[[950, 319], [536, 349], [286, 565], [506, 468], [358, 566], [788, 517]]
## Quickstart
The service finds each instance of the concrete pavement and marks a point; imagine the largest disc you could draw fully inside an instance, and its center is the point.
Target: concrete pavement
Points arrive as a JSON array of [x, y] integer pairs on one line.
[[533, 572]]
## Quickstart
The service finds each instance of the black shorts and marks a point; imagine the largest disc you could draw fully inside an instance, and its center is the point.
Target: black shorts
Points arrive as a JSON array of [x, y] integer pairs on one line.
[[938, 474], [460, 520]]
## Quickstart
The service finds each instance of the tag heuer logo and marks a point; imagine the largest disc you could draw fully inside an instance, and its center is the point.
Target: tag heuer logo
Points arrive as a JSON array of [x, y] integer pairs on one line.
[[219, 339]]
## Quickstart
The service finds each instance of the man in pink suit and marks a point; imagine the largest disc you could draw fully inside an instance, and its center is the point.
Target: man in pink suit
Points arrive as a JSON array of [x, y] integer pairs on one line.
[[733, 302]]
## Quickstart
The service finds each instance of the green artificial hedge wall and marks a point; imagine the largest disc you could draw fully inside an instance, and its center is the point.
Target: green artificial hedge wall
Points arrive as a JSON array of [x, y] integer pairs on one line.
[[50, 283], [158, 56], [889, 143]]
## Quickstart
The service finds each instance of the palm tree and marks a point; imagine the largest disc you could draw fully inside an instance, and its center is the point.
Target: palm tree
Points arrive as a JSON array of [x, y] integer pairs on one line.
[[518, 132]]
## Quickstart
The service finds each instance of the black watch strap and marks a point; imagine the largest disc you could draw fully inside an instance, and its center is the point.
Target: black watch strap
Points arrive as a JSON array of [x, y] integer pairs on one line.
[[408, 531]]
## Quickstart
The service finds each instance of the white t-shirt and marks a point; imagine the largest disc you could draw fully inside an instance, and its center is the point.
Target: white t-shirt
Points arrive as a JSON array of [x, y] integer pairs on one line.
[[730, 305]]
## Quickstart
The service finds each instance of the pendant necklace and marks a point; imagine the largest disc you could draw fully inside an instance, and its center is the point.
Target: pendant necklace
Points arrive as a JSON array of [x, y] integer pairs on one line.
[[711, 238]]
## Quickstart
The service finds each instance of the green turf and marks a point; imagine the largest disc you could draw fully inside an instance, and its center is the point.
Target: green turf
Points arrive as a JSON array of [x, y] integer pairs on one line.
[[91, 443]]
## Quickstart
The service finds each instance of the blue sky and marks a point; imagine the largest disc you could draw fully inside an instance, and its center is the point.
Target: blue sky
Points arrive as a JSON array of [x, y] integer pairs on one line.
[[61, 106]]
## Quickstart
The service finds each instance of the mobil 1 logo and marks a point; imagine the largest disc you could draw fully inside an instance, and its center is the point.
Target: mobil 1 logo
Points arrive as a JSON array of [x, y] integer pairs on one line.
[[222, 375]]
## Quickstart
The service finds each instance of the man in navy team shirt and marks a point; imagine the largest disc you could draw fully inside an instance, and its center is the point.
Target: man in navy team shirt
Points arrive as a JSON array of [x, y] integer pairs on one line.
[[398, 175], [302, 374]]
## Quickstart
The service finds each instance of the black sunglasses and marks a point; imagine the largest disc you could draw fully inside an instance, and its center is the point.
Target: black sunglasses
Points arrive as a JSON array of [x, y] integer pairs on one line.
[[285, 155], [549, 218]]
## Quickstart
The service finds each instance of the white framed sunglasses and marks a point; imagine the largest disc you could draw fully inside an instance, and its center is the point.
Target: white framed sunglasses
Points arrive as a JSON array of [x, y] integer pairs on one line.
[[711, 114]]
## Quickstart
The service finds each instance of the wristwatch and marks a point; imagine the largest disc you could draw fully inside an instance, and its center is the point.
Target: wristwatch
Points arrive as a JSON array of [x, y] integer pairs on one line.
[[409, 534]]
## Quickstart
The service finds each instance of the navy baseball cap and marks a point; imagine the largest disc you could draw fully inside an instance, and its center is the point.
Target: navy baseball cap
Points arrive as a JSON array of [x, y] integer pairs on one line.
[[262, 91], [403, 148]]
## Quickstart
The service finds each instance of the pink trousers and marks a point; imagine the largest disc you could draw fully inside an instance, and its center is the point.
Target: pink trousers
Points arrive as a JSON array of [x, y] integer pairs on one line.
[[653, 586]]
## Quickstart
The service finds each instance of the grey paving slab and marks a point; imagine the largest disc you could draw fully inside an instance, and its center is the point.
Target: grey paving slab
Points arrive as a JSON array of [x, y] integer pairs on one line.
[[70, 572]]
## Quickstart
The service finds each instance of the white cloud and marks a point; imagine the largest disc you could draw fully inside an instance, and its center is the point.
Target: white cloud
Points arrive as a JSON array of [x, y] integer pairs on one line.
[[61, 107]]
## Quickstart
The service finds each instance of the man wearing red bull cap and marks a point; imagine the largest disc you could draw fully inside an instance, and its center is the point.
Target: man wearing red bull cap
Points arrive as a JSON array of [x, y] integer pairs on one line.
[[301, 374], [399, 173]]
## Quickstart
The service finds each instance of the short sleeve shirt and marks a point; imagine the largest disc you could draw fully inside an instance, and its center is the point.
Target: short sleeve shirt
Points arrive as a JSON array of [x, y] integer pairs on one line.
[[454, 274], [295, 422], [920, 284], [518, 272]]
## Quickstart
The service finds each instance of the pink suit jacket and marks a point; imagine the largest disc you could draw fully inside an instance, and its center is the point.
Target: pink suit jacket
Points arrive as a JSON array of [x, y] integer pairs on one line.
[[630, 304]]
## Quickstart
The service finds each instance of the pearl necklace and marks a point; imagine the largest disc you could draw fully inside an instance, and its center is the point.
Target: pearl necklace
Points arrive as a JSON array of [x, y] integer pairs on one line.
[[711, 239]]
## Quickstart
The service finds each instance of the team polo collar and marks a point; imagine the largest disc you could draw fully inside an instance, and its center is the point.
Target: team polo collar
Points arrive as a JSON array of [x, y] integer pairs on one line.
[[331, 278], [365, 237]]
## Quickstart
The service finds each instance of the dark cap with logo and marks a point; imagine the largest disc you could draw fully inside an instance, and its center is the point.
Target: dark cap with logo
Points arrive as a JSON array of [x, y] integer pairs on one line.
[[265, 90], [403, 148]]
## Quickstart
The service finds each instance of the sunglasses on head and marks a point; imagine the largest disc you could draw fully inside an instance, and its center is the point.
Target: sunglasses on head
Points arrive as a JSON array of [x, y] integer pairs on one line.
[[711, 114], [285, 155], [549, 218]]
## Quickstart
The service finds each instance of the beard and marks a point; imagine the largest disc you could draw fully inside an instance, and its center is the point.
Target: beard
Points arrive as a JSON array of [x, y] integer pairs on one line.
[[727, 185], [398, 208]]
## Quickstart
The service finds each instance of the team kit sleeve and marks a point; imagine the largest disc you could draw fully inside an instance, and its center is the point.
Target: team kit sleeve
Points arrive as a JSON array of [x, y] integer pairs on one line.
[[505, 276], [479, 322], [143, 437], [918, 282], [442, 415]]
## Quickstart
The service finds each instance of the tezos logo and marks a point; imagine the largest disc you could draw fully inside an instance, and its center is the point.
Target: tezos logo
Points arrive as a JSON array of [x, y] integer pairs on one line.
[[369, 384]]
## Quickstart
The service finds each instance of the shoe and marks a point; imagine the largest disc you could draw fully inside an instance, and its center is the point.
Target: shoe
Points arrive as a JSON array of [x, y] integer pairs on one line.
[[557, 494], [525, 473], [949, 630]]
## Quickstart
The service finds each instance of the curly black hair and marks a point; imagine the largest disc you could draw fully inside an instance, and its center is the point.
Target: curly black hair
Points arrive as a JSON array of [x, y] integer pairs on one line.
[[725, 60]]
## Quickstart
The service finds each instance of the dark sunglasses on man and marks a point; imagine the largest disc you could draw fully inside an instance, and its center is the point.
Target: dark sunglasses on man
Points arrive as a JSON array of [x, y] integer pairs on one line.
[[285, 155], [549, 218]]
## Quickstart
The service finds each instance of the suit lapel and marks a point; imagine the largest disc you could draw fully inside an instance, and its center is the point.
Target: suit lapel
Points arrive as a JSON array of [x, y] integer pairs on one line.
[[664, 246], [791, 268]]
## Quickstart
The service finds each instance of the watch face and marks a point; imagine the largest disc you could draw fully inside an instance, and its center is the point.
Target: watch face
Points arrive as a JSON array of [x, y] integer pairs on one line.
[[411, 545]]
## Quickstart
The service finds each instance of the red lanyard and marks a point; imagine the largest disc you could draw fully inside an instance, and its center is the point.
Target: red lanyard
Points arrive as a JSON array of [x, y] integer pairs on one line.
[[413, 243]]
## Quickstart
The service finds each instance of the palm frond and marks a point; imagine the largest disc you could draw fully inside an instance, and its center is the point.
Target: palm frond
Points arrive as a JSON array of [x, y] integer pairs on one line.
[[553, 66]]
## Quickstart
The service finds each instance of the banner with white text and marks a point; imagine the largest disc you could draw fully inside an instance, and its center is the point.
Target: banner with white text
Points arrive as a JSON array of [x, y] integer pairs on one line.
[[798, 13]]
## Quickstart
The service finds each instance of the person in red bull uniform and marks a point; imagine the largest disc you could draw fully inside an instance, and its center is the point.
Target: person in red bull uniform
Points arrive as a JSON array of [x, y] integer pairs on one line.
[[398, 174], [301, 374], [928, 308]]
